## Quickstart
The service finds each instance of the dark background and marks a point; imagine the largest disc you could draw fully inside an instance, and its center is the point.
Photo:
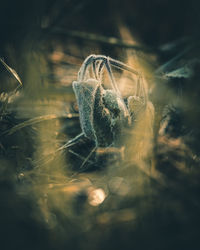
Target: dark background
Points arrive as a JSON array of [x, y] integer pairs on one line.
[[29, 30]]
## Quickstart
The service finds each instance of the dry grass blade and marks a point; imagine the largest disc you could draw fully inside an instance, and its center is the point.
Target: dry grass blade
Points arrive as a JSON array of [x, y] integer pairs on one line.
[[36, 120], [12, 71], [88, 157], [104, 40]]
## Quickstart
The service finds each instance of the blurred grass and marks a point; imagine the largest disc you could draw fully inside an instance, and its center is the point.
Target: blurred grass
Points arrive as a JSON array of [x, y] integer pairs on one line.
[[148, 200]]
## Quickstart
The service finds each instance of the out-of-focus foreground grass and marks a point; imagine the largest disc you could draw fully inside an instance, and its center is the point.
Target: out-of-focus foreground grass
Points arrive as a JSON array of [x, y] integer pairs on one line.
[[149, 197]]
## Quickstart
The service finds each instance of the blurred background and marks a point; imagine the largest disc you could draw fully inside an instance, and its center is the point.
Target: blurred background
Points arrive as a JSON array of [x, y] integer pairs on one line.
[[147, 197]]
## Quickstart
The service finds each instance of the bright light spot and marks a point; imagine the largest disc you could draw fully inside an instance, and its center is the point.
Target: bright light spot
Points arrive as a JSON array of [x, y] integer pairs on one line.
[[96, 197]]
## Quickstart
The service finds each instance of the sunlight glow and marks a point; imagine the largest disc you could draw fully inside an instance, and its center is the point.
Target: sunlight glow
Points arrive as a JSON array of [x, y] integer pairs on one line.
[[96, 197]]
